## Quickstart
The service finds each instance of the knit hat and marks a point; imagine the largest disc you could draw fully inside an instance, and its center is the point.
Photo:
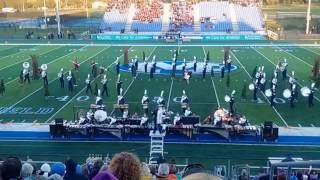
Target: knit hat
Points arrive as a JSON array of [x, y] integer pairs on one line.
[[58, 168], [26, 170]]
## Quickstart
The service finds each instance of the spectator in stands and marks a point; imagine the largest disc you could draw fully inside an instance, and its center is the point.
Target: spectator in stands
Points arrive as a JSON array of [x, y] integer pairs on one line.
[[172, 171], [58, 168], [11, 168], [105, 175], [125, 166], [97, 164], [26, 171], [281, 175], [201, 176], [244, 175], [145, 172], [71, 173], [313, 175], [45, 169]]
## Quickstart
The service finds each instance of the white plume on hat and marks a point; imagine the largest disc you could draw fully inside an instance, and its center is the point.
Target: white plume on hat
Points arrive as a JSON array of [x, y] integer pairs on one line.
[[61, 69], [145, 92], [161, 94]]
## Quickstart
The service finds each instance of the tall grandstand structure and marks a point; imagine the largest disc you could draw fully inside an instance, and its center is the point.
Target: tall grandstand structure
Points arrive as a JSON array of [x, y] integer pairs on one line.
[[184, 16]]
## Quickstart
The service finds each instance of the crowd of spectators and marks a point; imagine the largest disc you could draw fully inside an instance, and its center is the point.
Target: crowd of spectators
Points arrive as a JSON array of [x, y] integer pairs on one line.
[[123, 166], [121, 5], [182, 14], [149, 11]]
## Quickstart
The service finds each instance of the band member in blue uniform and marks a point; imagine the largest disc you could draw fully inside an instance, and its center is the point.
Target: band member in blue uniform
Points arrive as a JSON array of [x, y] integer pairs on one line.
[[118, 66], [194, 64], [70, 82], [255, 91], [118, 85], [204, 71], [212, 70], [311, 95], [222, 71], [173, 71], [132, 67], [273, 96], [283, 68], [231, 103], [61, 78], [229, 61], [145, 66], [88, 83], [184, 101], [104, 83], [136, 62]]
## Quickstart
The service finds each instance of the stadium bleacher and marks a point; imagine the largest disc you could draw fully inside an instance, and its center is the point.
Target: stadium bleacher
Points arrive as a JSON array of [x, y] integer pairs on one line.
[[148, 17]]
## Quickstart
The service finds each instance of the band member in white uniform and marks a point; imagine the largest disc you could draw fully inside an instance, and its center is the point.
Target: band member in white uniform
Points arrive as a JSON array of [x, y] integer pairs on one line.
[[61, 78], [88, 83], [104, 83], [70, 82], [184, 101], [145, 102], [26, 72], [161, 101], [186, 76], [44, 74]]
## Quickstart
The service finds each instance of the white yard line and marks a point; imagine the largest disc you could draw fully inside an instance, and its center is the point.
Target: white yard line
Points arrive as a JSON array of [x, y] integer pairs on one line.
[[15, 53], [55, 60], [213, 84], [295, 57], [310, 50], [275, 65], [56, 78], [276, 111], [169, 97], [29, 58]]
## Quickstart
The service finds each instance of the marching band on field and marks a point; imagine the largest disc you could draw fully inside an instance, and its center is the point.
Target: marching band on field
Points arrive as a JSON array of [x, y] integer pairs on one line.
[[259, 84]]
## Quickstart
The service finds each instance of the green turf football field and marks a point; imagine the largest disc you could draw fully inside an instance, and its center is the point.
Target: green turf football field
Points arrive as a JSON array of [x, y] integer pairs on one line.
[[205, 94]]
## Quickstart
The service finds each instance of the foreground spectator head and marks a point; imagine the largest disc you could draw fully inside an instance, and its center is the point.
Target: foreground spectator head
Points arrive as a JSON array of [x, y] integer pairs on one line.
[[104, 175], [58, 168], [70, 166], [192, 168], [55, 177], [11, 168], [125, 166], [163, 171], [26, 171], [145, 171], [201, 176], [45, 169]]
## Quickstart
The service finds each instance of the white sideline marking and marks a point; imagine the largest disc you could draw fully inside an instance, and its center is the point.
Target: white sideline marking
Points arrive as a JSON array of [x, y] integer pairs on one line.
[[169, 97], [260, 91]]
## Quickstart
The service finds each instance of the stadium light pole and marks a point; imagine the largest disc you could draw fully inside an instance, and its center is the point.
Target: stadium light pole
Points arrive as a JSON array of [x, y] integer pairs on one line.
[[308, 16], [58, 16], [45, 12], [87, 10]]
